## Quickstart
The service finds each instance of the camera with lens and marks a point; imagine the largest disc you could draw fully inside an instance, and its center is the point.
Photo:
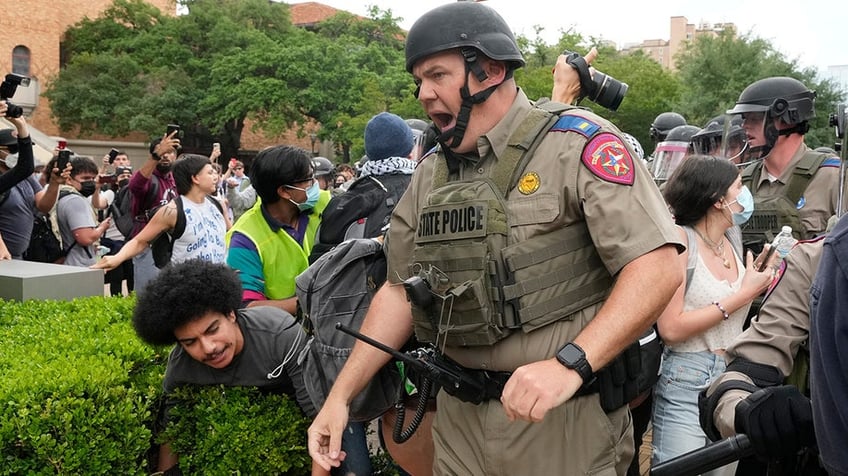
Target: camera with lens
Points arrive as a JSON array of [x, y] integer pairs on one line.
[[600, 88], [7, 90]]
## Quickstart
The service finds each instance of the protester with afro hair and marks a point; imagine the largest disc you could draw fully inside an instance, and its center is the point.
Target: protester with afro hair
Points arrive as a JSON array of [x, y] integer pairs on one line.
[[195, 304]]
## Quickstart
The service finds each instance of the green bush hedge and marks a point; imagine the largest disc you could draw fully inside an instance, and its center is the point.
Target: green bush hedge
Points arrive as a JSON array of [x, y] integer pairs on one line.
[[79, 393]]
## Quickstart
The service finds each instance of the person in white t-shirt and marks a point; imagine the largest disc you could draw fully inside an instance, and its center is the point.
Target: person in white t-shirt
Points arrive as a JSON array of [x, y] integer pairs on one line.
[[206, 225]]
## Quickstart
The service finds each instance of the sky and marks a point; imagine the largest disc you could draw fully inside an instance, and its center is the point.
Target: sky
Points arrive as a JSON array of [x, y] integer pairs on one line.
[[811, 34]]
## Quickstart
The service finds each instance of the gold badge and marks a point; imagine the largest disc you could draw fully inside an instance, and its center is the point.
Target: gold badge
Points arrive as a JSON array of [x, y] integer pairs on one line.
[[529, 183]]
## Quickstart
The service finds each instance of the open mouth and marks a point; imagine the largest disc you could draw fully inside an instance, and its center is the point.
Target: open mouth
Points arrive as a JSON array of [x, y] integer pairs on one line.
[[443, 121]]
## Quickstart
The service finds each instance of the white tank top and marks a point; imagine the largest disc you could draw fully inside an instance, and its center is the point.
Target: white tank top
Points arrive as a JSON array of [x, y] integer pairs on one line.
[[204, 233], [704, 289]]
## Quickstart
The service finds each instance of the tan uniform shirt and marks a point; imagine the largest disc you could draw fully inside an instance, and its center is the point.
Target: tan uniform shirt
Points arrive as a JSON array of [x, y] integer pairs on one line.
[[625, 222], [819, 199], [774, 337]]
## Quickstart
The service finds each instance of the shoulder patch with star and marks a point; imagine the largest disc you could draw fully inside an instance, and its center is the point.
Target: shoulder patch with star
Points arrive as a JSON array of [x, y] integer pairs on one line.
[[607, 157]]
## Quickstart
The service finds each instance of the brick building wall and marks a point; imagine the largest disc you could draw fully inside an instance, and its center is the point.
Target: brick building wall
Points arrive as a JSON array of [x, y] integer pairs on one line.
[[39, 26]]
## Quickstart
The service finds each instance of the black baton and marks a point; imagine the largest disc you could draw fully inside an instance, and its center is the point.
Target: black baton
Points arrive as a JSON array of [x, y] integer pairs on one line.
[[704, 459]]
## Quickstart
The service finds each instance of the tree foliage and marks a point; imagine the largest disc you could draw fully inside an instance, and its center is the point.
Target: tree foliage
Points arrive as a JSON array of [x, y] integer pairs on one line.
[[714, 71], [228, 61]]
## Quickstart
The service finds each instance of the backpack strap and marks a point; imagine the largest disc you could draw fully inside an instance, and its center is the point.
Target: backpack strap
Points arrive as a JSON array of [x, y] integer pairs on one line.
[[216, 203], [692, 248], [803, 173], [179, 227], [149, 207], [751, 175], [62, 194]]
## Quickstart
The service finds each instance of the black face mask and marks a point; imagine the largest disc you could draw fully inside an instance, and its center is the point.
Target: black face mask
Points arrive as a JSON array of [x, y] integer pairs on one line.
[[123, 183], [87, 188], [163, 168]]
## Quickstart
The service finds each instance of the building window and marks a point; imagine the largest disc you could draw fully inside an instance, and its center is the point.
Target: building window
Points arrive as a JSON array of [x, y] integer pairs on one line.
[[20, 60]]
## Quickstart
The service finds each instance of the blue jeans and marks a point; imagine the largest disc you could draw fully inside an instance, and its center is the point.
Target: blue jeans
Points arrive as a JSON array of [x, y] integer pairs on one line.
[[676, 427], [358, 459]]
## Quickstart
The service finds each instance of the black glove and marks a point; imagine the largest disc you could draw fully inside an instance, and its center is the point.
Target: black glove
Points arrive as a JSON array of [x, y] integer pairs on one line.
[[777, 420]]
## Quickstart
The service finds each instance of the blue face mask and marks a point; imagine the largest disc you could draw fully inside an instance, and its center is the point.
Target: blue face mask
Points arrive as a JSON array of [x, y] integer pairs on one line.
[[746, 201], [312, 194]]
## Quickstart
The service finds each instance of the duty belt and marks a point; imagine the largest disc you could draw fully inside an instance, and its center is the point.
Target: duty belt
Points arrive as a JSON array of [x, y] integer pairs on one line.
[[494, 383]]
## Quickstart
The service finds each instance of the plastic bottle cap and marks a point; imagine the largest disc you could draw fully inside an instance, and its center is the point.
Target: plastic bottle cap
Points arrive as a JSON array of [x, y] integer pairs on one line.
[[786, 229]]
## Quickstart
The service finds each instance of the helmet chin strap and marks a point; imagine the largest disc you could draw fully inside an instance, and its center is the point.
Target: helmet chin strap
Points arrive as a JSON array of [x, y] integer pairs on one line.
[[772, 134], [453, 136]]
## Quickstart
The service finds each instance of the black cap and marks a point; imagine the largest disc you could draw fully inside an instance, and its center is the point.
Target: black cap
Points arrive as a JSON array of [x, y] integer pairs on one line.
[[9, 139]]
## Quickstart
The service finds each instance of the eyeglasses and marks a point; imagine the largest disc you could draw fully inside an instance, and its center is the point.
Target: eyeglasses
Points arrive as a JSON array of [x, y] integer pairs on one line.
[[311, 180]]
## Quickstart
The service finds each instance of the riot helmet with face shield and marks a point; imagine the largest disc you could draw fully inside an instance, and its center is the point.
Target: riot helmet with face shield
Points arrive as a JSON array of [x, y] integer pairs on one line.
[[672, 151], [663, 124], [722, 138], [771, 101]]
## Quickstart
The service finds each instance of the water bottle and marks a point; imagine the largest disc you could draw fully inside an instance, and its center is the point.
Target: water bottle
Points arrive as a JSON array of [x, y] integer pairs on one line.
[[783, 243]]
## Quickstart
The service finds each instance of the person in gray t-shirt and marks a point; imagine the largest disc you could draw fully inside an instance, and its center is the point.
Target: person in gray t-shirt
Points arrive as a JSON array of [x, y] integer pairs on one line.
[[194, 304], [75, 216]]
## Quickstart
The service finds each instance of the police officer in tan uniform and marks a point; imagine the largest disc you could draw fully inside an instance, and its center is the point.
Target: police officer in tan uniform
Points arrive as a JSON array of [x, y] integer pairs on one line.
[[793, 185], [585, 266], [762, 392]]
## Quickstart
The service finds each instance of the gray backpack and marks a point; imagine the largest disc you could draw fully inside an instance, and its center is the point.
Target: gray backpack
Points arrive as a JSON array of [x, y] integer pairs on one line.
[[338, 287]]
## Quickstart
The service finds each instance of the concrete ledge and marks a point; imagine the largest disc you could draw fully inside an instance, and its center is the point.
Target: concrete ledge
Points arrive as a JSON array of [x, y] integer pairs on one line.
[[23, 280]]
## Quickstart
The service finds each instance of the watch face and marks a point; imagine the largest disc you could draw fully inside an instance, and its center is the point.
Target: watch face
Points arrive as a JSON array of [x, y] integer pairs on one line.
[[570, 354]]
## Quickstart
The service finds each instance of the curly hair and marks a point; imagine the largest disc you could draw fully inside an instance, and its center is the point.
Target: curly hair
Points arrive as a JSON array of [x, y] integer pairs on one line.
[[277, 166], [181, 293], [696, 184]]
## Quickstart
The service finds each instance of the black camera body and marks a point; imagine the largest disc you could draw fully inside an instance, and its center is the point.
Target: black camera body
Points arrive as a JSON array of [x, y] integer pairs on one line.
[[7, 89], [601, 88]]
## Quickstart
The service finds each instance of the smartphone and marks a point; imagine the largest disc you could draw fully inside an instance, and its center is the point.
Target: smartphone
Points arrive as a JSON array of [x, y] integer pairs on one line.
[[216, 145], [171, 128], [112, 155], [232, 163], [766, 259], [63, 144], [105, 179], [64, 158]]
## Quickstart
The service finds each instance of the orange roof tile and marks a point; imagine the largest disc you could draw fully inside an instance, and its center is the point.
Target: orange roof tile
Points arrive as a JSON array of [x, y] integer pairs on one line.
[[310, 13]]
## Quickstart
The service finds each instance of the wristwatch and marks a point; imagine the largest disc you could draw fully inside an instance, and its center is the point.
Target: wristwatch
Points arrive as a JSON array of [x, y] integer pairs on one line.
[[573, 357]]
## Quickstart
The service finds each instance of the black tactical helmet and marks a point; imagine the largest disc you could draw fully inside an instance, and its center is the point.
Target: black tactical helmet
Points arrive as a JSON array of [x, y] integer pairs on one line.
[[780, 96], [709, 140], [663, 123], [459, 24], [682, 133], [672, 151], [322, 166]]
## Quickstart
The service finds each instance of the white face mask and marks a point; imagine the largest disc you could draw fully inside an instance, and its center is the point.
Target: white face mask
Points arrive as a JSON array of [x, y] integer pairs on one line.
[[11, 160]]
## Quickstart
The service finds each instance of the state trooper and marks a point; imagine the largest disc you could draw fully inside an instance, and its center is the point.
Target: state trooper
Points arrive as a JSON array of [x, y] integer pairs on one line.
[[660, 127], [764, 391], [792, 184], [541, 268]]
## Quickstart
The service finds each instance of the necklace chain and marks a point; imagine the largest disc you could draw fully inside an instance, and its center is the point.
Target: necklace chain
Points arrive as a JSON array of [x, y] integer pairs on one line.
[[717, 249]]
